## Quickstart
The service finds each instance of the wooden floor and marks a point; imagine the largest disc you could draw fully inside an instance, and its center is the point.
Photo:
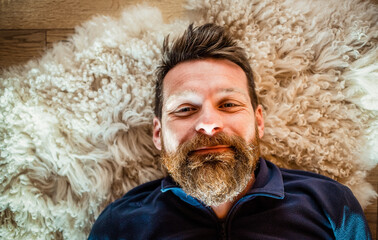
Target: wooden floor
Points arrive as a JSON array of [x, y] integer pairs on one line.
[[29, 27]]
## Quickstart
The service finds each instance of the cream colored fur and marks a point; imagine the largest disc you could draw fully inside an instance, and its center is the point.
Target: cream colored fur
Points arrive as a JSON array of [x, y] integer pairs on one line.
[[75, 125]]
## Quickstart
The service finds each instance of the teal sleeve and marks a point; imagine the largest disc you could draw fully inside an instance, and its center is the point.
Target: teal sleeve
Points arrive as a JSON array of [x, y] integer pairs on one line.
[[350, 222]]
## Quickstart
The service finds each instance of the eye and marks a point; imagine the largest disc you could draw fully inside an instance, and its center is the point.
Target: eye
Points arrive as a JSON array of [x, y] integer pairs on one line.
[[185, 111], [228, 105]]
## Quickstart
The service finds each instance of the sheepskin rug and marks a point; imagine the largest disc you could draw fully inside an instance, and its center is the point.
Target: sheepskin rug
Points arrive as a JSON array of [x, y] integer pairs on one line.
[[75, 125]]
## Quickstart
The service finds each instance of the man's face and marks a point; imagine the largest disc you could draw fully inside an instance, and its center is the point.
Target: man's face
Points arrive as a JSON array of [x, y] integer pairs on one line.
[[209, 132]]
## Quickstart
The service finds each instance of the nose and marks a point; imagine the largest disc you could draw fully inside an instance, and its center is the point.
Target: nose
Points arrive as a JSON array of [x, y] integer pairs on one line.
[[209, 122]]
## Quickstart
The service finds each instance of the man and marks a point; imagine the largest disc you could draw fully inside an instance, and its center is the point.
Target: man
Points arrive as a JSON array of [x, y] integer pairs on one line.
[[208, 124]]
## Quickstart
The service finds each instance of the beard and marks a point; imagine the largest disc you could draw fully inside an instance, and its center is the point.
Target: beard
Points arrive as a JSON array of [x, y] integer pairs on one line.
[[213, 178]]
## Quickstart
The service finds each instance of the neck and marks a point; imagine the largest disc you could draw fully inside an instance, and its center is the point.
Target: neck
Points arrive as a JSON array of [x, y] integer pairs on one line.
[[222, 210]]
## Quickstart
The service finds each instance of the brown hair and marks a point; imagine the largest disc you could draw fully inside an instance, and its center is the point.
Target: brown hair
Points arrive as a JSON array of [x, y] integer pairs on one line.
[[206, 41]]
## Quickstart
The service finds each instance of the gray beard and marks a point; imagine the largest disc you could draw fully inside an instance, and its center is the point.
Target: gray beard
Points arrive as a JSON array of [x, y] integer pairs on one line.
[[213, 178]]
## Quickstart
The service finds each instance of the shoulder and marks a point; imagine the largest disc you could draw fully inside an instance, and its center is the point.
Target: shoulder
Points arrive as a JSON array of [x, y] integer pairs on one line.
[[105, 227], [321, 197], [300, 181], [141, 192], [301, 174], [335, 199], [136, 197], [323, 187], [311, 180]]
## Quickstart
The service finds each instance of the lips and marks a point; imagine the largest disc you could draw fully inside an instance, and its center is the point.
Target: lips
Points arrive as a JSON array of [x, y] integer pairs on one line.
[[212, 149]]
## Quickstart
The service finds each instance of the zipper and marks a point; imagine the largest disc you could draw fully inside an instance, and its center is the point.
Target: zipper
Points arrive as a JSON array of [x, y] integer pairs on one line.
[[223, 235], [222, 224]]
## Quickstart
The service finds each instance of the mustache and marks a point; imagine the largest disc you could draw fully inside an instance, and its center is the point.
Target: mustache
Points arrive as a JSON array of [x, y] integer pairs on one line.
[[201, 141], [237, 145]]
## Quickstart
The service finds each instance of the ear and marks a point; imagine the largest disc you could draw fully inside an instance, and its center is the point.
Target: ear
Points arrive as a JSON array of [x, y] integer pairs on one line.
[[156, 133], [259, 120]]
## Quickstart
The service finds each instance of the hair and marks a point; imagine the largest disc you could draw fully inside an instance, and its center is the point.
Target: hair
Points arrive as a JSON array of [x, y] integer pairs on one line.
[[202, 42]]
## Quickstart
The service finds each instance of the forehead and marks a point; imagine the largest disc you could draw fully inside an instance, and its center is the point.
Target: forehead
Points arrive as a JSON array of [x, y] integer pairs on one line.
[[204, 76]]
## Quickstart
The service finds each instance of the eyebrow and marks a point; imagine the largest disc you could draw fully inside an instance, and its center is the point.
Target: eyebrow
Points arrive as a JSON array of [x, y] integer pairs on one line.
[[182, 95], [235, 90], [228, 90]]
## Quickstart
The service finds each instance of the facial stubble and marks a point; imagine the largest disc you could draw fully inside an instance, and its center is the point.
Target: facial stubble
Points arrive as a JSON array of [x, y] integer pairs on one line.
[[213, 178]]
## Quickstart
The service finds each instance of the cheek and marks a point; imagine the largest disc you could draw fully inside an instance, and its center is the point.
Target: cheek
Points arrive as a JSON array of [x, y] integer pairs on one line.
[[176, 132], [249, 132], [170, 140], [243, 127]]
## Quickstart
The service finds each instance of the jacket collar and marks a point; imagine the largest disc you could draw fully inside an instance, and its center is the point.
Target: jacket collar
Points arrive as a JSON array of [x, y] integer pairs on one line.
[[268, 182]]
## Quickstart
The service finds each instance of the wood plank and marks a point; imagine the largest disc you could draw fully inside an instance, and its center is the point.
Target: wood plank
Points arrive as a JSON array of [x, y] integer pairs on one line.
[[55, 14], [371, 212], [18, 46], [57, 35], [371, 216]]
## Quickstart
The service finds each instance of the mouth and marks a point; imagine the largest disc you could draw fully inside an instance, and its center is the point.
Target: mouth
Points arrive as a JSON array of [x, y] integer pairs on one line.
[[212, 149]]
